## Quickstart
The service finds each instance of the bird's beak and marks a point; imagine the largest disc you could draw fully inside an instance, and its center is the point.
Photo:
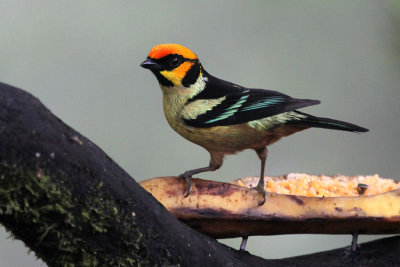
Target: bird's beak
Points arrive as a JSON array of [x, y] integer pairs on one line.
[[149, 64]]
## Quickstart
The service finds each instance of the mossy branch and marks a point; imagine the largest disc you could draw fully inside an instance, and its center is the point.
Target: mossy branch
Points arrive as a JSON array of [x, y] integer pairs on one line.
[[73, 206]]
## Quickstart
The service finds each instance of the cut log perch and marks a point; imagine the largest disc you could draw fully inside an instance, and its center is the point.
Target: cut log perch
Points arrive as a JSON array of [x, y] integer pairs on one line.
[[226, 210], [73, 206]]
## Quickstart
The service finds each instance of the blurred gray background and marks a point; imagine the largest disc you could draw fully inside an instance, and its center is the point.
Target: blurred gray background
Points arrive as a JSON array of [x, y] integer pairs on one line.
[[81, 59]]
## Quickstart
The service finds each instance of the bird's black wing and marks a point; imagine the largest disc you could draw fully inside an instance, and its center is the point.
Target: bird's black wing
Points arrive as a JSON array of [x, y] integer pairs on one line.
[[242, 104]]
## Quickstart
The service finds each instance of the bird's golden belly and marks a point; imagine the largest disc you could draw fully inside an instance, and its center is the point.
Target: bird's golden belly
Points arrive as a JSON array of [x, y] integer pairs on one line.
[[234, 138], [222, 138]]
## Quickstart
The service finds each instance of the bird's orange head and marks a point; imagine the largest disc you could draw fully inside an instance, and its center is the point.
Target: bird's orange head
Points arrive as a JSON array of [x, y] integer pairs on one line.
[[173, 65]]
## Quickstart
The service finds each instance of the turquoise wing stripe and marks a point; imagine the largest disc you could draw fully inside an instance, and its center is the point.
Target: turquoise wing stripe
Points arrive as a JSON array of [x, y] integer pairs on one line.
[[230, 110], [264, 103]]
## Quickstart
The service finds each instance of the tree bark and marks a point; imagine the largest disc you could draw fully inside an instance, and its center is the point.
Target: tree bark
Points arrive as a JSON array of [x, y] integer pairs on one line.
[[73, 206]]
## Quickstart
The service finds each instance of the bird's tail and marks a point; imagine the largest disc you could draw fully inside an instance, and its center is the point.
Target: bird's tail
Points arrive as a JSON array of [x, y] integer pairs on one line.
[[327, 123]]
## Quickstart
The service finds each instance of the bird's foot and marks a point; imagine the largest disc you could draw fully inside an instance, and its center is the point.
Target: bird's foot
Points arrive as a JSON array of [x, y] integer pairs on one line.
[[188, 177], [260, 188]]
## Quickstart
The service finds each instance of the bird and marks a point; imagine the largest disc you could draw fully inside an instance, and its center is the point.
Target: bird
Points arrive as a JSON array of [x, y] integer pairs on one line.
[[223, 117]]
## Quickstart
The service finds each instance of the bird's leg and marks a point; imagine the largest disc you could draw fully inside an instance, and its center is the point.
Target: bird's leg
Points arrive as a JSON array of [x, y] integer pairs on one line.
[[216, 160], [262, 154], [244, 242]]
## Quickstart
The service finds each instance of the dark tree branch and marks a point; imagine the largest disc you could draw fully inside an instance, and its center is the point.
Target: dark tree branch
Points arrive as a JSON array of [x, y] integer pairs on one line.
[[73, 206]]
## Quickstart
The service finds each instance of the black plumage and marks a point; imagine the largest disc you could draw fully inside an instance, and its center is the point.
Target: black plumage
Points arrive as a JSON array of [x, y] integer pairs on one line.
[[243, 104]]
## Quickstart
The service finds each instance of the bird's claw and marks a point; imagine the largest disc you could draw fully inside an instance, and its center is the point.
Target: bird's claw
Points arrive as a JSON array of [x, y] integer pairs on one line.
[[261, 189], [188, 179]]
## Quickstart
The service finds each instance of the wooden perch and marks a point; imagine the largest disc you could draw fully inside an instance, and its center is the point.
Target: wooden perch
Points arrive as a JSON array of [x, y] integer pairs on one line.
[[73, 206], [226, 210]]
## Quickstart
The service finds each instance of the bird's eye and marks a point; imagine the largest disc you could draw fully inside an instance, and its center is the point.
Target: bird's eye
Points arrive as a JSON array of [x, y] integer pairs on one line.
[[175, 62]]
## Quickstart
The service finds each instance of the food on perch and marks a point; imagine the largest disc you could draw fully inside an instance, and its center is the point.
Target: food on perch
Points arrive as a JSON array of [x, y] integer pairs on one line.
[[336, 205], [301, 184]]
